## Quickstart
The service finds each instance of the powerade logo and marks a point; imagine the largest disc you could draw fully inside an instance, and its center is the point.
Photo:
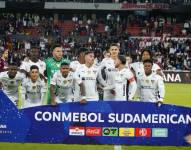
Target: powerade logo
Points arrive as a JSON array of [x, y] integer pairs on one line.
[[93, 131], [107, 131], [159, 132]]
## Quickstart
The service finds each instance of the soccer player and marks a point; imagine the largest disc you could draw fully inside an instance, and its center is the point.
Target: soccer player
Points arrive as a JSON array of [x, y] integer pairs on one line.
[[63, 81], [150, 86], [33, 60], [33, 90], [124, 79], [10, 81], [107, 73], [75, 65], [106, 54], [53, 65], [138, 68], [88, 74]]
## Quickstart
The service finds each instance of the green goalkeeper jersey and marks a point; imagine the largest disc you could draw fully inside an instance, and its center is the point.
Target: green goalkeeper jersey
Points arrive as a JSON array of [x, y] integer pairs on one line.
[[52, 66]]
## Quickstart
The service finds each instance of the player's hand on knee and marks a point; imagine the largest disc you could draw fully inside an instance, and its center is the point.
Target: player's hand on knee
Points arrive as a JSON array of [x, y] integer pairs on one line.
[[54, 103], [83, 101], [159, 103]]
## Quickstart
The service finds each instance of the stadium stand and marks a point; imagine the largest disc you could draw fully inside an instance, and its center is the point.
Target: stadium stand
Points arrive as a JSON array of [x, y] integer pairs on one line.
[[166, 35]]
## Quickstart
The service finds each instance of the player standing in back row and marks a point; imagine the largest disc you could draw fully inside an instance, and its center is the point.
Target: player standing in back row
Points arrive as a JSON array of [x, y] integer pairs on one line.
[[138, 67], [53, 65], [75, 65], [124, 79], [88, 73], [107, 73]]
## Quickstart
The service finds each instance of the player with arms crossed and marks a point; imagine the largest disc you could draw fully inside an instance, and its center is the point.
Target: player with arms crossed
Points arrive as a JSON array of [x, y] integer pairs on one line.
[[63, 82], [124, 79], [10, 82], [33, 90], [150, 86]]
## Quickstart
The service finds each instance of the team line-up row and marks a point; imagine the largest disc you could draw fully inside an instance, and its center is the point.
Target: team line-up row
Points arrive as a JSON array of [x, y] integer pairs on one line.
[[58, 80]]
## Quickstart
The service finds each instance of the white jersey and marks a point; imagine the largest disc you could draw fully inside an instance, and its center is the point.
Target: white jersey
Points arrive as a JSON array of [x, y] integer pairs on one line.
[[123, 79], [10, 86], [150, 88], [138, 67], [89, 80], [106, 78], [25, 65], [75, 65], [64, 86], [33, 93]]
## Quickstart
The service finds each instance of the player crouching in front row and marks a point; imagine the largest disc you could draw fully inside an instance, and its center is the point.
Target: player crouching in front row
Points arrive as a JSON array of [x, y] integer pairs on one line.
[[150, 86], [33, 90], [62, 84]]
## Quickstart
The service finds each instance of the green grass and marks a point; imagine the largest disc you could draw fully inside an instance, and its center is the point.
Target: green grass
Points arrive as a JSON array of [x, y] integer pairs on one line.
[[178, 94]]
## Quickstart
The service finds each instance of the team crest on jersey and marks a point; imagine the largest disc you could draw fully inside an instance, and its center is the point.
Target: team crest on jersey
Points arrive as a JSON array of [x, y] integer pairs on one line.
[[12, 82], [65, 81], [147, 81], [152, 81], [33, 87]]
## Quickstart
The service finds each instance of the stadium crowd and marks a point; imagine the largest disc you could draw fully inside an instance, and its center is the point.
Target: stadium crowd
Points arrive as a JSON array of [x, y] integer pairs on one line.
[[169, 53]]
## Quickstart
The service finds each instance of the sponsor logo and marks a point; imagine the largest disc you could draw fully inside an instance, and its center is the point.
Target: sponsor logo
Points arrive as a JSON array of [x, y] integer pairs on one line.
[[3, 126], [77, 131], [109, 131], [4, 130], [127, 132], [159, 132], [93, 131], [143, 132]]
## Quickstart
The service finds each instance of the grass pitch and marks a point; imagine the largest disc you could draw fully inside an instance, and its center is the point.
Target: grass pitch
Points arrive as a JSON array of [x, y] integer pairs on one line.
[[178, 94]]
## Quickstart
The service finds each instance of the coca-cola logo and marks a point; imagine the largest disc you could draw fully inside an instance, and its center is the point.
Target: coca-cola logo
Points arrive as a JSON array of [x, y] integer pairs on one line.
[[93, 131]]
